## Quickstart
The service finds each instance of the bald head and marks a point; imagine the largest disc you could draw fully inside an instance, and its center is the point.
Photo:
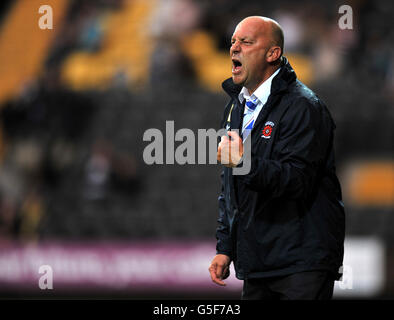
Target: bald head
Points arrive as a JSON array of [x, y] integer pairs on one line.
[[267, 27], [256, 51]]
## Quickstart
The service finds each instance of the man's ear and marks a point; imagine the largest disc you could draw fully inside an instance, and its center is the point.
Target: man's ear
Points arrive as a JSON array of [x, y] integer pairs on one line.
[[273, 54]]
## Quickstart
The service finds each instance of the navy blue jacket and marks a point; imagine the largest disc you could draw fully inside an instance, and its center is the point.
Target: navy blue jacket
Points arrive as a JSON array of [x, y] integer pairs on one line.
[[286, 215]]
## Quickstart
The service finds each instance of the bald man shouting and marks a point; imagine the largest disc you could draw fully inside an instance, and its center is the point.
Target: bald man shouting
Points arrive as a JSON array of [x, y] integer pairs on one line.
[[282, 224]]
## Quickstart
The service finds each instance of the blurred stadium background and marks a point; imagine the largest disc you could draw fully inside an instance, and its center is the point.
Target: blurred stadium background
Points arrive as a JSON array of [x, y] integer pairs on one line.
[[75, 101]]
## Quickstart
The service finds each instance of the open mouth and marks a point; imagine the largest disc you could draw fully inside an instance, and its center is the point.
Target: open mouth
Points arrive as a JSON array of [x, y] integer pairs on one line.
[[237, 65]]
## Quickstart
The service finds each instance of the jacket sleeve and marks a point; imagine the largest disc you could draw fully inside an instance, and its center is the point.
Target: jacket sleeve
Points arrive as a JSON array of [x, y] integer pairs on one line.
[[224, 242], [299, 150]]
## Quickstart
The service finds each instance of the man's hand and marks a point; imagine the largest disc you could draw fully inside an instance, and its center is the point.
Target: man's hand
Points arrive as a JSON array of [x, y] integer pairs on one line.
[[230, 150], [219, 269]]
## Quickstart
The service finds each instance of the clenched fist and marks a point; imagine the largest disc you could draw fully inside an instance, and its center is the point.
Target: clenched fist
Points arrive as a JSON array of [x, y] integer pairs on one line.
[[230, 150]]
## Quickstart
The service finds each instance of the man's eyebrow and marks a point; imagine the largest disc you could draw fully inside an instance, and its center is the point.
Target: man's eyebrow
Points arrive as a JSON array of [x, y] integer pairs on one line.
[[243, 38]]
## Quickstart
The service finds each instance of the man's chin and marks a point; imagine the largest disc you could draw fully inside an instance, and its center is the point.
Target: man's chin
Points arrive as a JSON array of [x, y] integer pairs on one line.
[[238, 80]]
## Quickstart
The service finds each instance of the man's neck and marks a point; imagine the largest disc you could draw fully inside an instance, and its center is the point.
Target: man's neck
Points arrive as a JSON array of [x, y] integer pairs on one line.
[[266, 76]]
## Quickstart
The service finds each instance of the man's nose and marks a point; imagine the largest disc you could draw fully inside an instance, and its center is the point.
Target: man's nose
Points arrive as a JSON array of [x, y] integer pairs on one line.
[[235, 48]]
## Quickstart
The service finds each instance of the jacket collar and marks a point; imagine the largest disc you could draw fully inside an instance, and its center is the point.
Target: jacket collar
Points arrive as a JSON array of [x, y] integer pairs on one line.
[[280, 83]]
